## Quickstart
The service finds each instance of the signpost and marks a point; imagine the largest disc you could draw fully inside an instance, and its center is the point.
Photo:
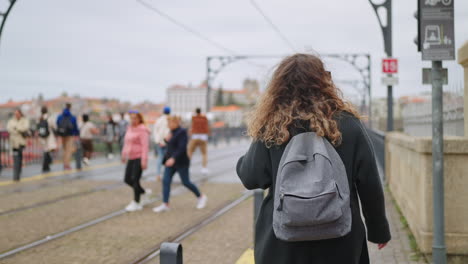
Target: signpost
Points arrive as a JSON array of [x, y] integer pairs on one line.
[[437, 30], [390, 65], [437, 43], [389, 80], [427, 76]]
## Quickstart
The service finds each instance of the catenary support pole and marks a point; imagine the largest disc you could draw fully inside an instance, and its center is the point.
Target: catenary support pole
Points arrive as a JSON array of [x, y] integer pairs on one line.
[[389, 108], [208, 85], [438, 245], [4, 16]]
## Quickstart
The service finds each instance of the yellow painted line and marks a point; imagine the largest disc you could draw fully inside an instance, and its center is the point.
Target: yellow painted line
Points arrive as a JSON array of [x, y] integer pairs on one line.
[[61, 173], [247, 257]]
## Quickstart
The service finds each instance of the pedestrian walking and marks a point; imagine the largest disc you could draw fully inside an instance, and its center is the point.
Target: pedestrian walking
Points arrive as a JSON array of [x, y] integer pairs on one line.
[[199, 132], [177, 160], [297, 223], [87, 132], [135, 154], [110, 136], [46, 128], [67, 129], [122, 128], [160, 132], [18, 128]]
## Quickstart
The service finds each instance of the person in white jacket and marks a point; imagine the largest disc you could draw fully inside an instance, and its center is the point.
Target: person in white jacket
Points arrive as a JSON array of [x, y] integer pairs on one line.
[[18, 128], [160, 131]]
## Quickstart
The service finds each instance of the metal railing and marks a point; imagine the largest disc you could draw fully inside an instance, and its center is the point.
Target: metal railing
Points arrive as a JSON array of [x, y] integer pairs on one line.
[[227, 134], [33, 151], [417, 116]]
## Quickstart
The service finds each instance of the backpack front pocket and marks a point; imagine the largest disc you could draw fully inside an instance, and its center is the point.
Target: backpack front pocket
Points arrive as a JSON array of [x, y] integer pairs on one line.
[[299, 211]]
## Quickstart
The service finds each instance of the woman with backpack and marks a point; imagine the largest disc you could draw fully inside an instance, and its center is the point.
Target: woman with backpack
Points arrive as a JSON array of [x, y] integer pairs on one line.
[[312, 152], [135, 154], [46, 129]]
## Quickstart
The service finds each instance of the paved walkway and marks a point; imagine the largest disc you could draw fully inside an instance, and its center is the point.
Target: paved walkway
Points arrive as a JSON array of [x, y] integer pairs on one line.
[[398, 250]]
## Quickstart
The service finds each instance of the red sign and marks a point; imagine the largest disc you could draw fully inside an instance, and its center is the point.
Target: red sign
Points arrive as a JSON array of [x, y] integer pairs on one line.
[[390, 65]]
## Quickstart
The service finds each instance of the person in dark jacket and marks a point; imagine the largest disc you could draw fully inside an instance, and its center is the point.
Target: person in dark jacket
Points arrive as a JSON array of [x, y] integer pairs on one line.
[[301, 97], [177, 160]]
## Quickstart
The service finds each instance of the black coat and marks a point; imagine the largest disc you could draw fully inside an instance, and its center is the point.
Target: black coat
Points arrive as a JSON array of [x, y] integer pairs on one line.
[[177, 148], [258, 169]]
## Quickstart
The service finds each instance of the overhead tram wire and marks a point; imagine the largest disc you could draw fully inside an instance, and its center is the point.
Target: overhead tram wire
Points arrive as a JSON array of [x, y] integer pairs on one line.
[[273, 26], [194, 32]]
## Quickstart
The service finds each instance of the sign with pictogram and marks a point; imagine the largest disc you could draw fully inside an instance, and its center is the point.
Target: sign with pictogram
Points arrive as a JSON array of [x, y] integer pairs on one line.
[[437, 29], [389, 65]]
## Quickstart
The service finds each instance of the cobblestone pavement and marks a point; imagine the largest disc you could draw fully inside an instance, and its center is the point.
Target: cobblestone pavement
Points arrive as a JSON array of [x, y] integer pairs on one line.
[[124, 238], [398, 250], [222, 241]]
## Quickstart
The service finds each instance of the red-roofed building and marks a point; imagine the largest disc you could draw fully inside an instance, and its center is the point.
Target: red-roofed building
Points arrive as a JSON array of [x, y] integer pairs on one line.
[[232, 115]]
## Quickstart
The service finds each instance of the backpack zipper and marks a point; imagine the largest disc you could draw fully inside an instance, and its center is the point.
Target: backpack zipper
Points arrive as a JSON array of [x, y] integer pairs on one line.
[[280, 207]]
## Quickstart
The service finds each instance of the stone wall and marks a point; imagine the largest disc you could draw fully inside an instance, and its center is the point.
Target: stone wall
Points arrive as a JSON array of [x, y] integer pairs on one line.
[[409, 176], [408, 171]]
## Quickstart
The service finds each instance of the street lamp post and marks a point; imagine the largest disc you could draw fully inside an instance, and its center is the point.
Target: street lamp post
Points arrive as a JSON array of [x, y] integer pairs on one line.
[[386, 27], [4, 16]]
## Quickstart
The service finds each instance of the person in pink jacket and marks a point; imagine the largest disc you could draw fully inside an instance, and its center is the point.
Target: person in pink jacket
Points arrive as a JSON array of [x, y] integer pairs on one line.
[[135, 153]]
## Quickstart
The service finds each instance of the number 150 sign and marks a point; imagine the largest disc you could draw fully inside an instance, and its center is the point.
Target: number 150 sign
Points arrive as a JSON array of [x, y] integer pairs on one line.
[[390, 65]]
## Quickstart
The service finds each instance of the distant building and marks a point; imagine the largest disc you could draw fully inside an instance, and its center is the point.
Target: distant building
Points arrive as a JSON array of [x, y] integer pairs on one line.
[[183, 100], [246, 97], [97, 107], [231, 115]]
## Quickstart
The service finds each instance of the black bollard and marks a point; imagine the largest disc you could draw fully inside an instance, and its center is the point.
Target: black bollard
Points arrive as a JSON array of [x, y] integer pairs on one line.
[[171, 253], [17, 163]]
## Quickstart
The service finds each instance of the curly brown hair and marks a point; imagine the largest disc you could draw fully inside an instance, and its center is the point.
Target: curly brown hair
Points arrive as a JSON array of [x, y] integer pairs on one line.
[[300, 89]]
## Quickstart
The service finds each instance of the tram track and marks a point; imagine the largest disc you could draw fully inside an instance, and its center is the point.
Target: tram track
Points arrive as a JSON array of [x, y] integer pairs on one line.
[[106, 187], [180, 236], [177, 191], [79, 175]]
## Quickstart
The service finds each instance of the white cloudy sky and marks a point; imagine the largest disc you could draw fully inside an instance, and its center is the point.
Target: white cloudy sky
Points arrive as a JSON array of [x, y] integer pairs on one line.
[[118, 48]]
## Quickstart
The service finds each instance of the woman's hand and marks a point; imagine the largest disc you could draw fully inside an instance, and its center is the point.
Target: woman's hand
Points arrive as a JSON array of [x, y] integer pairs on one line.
[[144, 165], [168, 137], [123, 159], [170, 162], [380, 246]]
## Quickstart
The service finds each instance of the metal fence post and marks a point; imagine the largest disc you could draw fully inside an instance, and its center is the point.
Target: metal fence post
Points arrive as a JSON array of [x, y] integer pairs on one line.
[[78, 154], [171, 253]]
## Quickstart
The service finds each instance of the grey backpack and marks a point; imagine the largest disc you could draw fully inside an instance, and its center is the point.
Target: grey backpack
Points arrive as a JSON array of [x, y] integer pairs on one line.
[[312, 193]]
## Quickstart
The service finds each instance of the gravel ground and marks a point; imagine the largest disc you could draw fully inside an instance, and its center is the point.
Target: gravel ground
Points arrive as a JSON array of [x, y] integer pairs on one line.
[[222, 241], [36, 223], [21, 199], [122, 239]]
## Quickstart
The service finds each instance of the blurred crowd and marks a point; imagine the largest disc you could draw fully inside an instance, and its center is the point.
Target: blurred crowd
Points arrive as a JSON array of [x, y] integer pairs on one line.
[[174, 146]]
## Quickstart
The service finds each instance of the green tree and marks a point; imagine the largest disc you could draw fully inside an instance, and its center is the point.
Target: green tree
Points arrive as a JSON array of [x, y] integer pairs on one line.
[[220, 97], [231, 100]]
